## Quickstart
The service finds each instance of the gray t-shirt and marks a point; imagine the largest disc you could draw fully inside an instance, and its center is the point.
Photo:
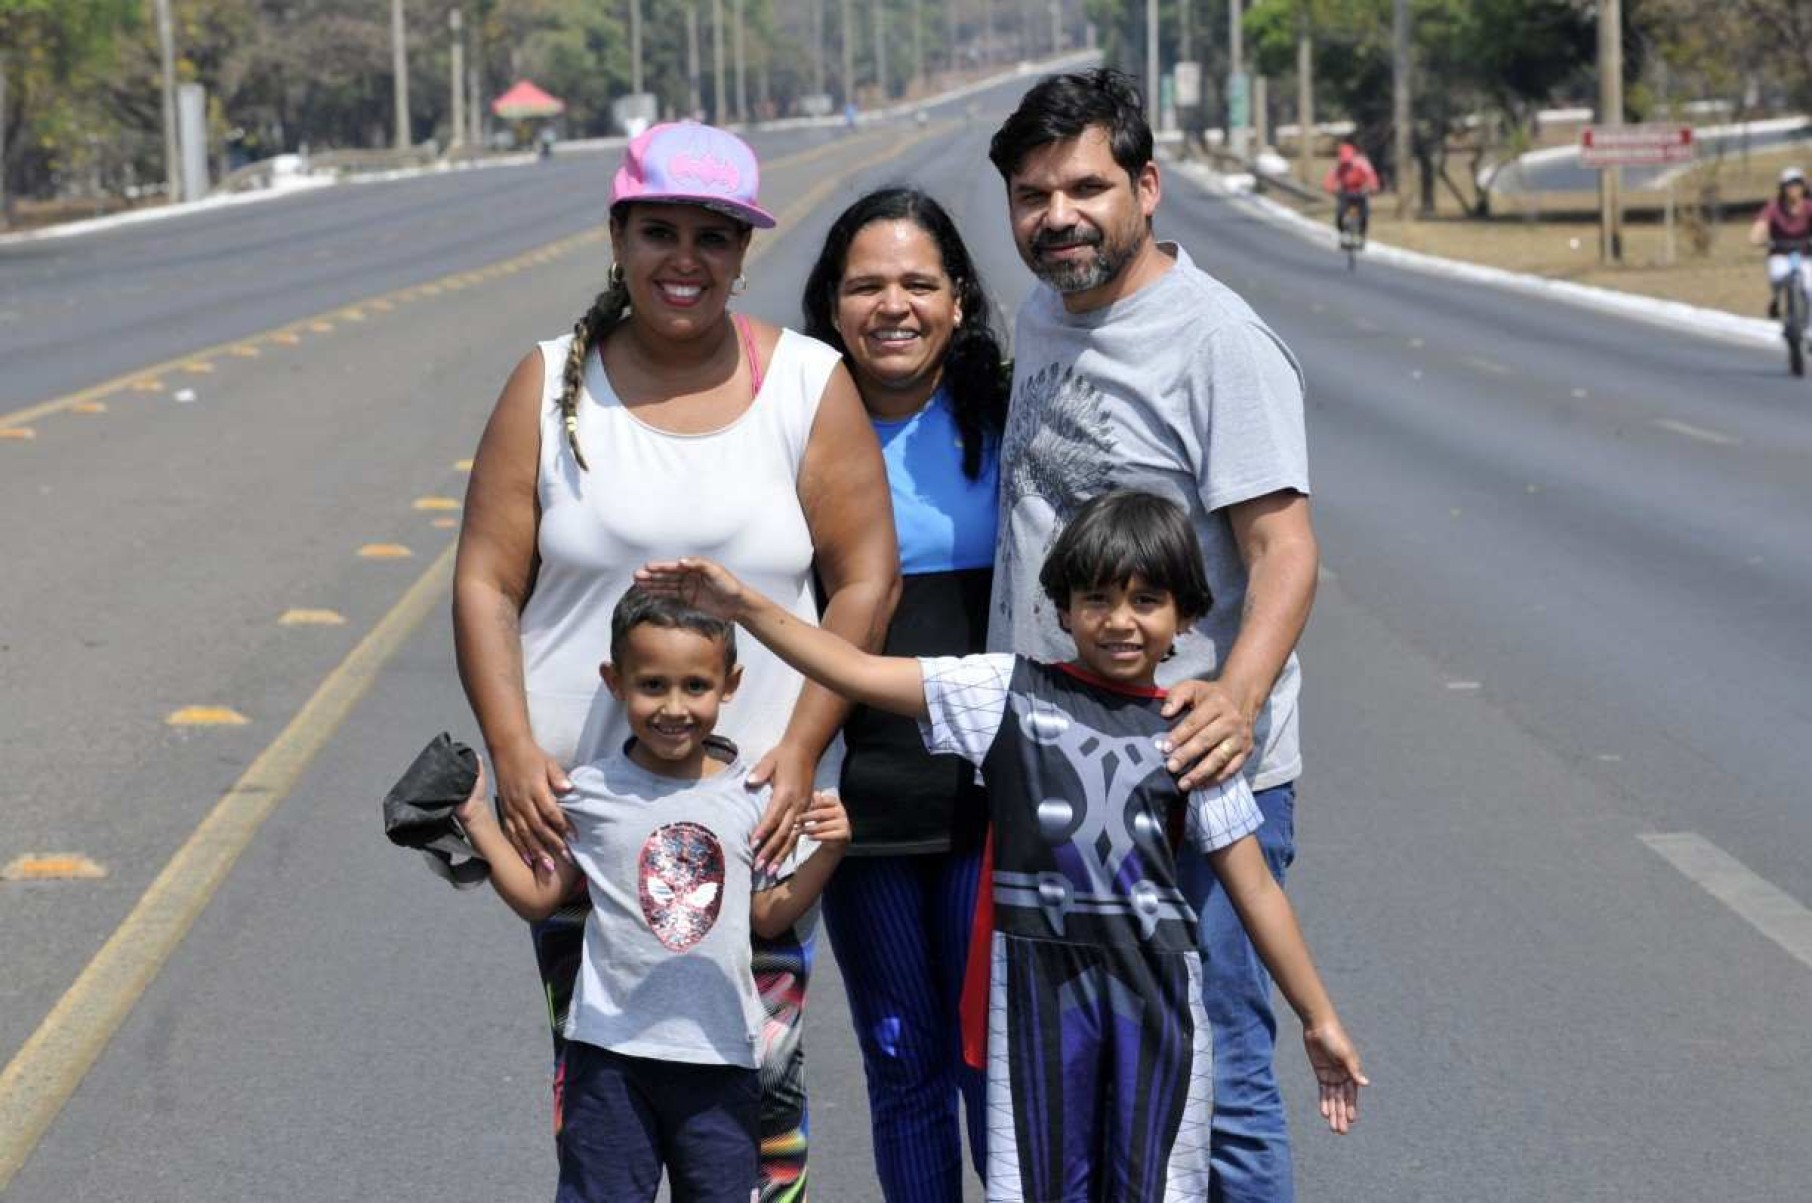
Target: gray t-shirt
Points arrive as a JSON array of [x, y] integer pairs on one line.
[[665, 972], [1178, 390]]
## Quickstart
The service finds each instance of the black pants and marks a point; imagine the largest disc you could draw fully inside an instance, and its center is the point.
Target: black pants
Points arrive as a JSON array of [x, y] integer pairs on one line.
[[628, 1117]]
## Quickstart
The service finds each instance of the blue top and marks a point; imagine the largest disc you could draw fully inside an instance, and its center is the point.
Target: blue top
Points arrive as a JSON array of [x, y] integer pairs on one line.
[[945, 521]]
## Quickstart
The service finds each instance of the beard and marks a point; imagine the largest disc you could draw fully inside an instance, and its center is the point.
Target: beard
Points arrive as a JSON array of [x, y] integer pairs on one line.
[[1109, 258]]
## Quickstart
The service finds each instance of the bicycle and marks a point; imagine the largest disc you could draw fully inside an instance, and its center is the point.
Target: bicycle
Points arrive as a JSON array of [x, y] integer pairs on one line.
[[1352, 234], [1793, 310]]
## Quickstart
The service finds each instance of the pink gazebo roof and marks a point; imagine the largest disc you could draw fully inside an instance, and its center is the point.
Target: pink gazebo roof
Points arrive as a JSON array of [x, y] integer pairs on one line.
[[526, 100]]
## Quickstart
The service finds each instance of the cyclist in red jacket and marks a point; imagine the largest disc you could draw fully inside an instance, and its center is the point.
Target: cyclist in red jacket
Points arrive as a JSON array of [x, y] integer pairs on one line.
[[1352, 180]]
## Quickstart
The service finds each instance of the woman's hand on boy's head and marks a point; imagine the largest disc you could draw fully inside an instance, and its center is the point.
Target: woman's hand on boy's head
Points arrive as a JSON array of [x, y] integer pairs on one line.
[[1212, 740], [1336, 1065], [696, 582]]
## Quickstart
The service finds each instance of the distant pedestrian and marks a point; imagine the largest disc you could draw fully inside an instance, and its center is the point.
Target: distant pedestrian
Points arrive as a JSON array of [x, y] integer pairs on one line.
[[663, 1034], [1097, 1045], [1134, 369]]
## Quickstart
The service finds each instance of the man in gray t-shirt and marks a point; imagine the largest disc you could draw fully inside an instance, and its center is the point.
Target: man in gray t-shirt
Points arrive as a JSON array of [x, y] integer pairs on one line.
[[1133, 369]]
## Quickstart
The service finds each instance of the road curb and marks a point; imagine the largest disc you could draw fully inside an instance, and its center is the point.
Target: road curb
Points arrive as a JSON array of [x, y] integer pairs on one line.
[[1672, 315]]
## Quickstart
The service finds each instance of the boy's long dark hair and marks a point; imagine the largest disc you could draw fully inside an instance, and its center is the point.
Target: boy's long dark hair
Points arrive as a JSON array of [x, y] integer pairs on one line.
[[1061, 107], [638, 608], [972, 363], [1122, 534]]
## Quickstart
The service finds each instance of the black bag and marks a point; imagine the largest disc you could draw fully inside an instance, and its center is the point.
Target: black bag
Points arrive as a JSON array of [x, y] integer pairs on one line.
[[418, 811]]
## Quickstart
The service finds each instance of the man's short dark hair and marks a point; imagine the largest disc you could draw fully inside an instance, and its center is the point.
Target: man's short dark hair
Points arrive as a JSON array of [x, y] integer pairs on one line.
[[638, 608], [1061, 107], [1124, 534]]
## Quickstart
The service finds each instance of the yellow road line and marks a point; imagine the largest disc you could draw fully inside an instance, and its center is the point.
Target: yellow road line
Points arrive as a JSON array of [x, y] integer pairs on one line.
[[40, 1079], [541, 254], [52, 1063]]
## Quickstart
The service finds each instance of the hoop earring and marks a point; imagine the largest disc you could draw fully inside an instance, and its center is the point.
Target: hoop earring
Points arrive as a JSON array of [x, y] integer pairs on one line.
[[616, 275], [739, 285]]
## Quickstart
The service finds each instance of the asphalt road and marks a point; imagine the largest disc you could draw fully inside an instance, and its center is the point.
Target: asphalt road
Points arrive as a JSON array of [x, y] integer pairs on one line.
[[1564, 609]]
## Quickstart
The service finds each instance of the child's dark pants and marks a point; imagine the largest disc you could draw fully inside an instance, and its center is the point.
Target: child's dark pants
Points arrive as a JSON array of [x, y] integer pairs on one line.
[[627, 1117]]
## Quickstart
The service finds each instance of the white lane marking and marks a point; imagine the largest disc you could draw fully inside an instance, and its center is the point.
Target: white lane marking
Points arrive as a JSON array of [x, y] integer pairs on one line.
[[1697, 432], [1465, 686], [1579, 393], [1759, 902], [1485, 365]]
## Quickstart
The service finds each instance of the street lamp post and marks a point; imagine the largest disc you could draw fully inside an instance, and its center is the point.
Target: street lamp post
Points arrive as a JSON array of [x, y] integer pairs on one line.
[[849, 53], [456, 90], [1400, 101], [1151, 62], [1238, 95], [818, 47], [635, 46], [717, 62], [742, 68], [1610, 112], [880, 52], [399, 66], [694, 96], [166, 45]]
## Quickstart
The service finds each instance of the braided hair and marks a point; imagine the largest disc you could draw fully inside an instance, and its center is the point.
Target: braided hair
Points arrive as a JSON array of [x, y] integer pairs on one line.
[[607, 312], [973, 370]]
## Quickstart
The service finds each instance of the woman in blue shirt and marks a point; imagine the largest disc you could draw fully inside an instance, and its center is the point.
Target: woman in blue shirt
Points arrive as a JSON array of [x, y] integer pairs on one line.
[[895, 290]]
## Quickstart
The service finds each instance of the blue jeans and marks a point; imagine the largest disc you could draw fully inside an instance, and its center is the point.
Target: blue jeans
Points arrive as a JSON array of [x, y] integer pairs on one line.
[[900, 928], [1250, 1148]]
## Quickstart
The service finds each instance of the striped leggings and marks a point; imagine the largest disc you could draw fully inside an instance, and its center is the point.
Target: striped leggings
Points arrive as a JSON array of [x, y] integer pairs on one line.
[[900, 928]]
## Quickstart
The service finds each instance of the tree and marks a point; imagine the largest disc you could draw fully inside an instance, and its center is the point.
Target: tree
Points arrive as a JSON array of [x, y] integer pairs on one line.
[[53, 50]]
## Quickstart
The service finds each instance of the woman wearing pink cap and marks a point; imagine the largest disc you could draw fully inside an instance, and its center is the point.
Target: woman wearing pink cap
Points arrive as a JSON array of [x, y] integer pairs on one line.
[[666, 425]]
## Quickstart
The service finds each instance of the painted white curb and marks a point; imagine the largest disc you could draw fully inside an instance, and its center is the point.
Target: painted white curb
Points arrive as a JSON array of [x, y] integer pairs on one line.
[[1674, 315]]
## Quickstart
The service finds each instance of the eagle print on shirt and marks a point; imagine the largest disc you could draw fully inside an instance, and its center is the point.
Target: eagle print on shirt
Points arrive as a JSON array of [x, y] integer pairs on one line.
[[1059, 448], [680, 883]]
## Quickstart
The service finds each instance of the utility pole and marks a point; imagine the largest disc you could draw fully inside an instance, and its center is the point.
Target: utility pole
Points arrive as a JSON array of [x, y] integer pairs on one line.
[[1152, 114], [818, 47], [166, 45], [918, 47], [457, 87], [849, 53], [1239, 95], [1610, 112], [741, 112], [635, 48], [5, 212], [399, 67], [880, 54], [1399, 106], [718, 91], [1305, 98], [694, 97]]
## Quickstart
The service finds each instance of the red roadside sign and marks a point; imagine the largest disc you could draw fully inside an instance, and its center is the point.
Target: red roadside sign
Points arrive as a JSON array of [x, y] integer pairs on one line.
[[1654, 145]]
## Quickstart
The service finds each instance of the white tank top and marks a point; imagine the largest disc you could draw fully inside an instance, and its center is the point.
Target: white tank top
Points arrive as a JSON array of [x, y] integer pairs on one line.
[[731, 495]]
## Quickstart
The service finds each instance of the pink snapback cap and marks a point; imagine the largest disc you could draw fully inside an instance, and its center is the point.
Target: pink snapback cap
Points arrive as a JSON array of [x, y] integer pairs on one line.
[[685, 163]]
